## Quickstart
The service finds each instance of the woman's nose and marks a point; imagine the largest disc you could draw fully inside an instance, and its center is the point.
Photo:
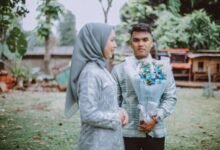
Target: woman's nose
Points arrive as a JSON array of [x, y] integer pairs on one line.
[[115, 45]]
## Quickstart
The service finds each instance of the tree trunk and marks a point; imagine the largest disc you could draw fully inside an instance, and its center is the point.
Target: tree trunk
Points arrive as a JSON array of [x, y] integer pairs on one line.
[[47, 56], [47, 47], [106, 17], [105, 11]]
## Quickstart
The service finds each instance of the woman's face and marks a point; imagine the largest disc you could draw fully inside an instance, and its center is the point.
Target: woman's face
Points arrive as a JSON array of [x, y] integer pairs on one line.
[[110, 46]]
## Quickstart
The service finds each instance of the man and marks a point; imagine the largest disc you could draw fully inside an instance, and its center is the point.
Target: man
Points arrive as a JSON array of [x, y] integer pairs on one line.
[[142, 81]]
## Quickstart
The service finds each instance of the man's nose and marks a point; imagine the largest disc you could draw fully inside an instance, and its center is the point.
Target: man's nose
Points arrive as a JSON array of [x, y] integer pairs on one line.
[[141, 43]]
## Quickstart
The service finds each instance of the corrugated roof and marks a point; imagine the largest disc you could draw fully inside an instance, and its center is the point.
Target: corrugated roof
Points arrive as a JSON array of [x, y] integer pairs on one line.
[[66, 50], [181, 65], [195, 55], [176, 51], [207, 51]]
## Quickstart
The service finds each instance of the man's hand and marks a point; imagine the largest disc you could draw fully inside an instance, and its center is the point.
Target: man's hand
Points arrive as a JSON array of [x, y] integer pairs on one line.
[[147, 127]]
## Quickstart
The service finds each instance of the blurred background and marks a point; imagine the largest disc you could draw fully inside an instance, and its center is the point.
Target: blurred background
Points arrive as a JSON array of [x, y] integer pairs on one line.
[[37, 39], [38, 36]]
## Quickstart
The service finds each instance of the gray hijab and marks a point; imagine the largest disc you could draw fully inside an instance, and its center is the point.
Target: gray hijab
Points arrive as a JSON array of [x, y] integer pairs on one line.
[[89, 47]]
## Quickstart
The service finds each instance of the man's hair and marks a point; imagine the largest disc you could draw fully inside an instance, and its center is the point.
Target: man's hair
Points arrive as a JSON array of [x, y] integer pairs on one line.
[[140, 27]]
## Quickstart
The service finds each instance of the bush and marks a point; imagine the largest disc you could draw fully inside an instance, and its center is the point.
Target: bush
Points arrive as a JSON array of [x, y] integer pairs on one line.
[[194, 31]]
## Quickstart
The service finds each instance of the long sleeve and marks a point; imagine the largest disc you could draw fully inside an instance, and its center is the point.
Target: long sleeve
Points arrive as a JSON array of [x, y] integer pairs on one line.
[[168, 100], [116, 78], [90, 103]]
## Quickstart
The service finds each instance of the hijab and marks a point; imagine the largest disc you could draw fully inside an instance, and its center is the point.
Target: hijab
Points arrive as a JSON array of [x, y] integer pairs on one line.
[[89, 47]]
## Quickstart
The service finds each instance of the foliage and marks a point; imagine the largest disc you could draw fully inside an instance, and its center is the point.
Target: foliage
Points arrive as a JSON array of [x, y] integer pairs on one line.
[[49, 11], [10, 11], [67, 29], [33, 40], [170, 28], [170, 31], [195, 31], [174, 6], [137, 11], [16, 41], [210, 6], [20, 71], [13, 41], [147, 10], [123, 36], [205, 34]]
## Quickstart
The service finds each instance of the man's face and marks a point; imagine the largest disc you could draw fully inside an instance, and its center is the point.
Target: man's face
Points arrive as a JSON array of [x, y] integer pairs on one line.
[[141, 43]]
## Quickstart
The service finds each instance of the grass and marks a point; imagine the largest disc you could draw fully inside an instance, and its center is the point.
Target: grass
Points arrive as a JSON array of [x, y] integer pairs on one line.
[[195, 122], [35, 121]]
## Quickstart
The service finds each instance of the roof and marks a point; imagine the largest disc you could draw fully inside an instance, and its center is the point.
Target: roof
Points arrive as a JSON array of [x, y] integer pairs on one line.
[[207, 51], [65, 50], [181, 65], [177, 50], [196, 55]]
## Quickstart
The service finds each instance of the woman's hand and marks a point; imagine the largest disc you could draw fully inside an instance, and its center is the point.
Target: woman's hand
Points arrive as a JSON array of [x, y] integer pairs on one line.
[[124, 116]]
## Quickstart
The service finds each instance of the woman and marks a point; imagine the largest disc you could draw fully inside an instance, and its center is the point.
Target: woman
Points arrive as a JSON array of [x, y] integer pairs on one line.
[[93, 90]]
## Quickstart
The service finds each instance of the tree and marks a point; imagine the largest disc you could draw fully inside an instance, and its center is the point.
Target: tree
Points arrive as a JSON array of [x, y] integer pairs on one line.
[[106, 9], [135, 11], [33, 40], [212, 7], [194, 31], [13, 44], [67, 29], [49, 11], [171, 25]]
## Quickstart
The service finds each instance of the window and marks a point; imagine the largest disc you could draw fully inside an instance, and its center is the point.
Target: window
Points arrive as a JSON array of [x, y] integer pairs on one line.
[[178, 58], [200, 66]]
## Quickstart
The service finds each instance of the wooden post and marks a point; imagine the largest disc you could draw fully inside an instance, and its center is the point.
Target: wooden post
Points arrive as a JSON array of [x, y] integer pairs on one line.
[[208, 89], [190, 70]]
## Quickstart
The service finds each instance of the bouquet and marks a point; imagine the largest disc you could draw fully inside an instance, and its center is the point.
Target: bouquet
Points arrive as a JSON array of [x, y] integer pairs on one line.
[[150, 78], [146, 80]]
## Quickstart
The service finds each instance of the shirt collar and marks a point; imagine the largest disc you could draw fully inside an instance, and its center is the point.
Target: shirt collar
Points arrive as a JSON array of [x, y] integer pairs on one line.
[[147, 59]]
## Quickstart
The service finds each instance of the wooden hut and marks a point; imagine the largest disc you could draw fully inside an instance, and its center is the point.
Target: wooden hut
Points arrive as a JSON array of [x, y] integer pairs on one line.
[[202, 62], [180, 63]]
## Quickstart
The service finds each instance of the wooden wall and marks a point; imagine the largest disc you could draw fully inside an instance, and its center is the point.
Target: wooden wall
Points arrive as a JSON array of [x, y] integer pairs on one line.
[[207, 62]]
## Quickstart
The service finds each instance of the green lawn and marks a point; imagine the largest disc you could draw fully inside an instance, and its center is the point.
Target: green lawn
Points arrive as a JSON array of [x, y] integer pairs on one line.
[[35, 121]]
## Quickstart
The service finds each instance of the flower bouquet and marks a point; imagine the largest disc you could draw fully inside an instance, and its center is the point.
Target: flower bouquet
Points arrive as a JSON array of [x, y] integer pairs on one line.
[[147, 87], [146, 79], [146, 82]]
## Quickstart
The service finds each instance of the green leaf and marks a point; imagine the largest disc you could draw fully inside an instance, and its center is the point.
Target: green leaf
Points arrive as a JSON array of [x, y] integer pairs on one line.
[[7, 53], [16, 41]]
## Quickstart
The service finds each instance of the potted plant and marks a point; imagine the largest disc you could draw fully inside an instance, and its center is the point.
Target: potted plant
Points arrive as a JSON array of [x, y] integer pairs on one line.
[[21, 74]]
